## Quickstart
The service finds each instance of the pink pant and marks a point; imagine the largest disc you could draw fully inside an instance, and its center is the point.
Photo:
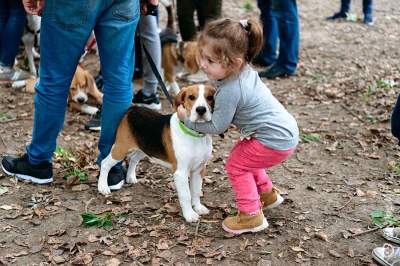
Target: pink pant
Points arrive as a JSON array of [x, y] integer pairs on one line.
[[246, 169]]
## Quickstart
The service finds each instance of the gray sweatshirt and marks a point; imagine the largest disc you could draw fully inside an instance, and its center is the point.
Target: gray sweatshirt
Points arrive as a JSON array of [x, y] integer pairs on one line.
[[246, 102]]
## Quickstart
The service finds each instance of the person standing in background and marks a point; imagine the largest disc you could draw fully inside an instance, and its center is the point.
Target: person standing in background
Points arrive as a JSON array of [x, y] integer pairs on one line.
[[280, 22]]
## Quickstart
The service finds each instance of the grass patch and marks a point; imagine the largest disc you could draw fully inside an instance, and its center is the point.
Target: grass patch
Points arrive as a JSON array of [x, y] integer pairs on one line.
[[5, 116], [308, 138], [394, 167], [248, 6], [70, 163]]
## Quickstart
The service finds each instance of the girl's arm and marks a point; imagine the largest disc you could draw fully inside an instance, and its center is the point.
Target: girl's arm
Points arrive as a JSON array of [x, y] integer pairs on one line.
[[226, 103]]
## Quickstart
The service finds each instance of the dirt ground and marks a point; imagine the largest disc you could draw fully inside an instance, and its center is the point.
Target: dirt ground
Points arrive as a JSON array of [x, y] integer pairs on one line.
[[346, 166]]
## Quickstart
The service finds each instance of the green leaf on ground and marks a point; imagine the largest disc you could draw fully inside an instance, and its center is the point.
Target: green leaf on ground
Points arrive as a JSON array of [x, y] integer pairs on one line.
[[77, 172], [381, 219], [64, 154], [91, 219]]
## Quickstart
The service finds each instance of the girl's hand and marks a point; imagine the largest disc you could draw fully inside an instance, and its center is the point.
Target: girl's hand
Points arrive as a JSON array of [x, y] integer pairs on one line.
[[181, 111]]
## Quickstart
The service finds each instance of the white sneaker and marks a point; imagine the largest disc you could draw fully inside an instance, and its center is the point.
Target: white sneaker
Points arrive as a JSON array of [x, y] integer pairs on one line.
[[387, 255]]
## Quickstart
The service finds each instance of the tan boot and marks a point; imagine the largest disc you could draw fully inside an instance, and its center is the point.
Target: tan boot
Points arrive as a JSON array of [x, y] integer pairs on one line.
[[271, 199], [243, 223]]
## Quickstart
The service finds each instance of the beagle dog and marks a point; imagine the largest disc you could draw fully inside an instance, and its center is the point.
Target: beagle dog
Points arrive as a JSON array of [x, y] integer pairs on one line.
[[176, 54], [165, 139], [83, 90]]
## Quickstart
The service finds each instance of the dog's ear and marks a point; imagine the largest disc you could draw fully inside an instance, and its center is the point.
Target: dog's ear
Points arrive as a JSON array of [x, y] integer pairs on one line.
[[91, 84], [180, 98]]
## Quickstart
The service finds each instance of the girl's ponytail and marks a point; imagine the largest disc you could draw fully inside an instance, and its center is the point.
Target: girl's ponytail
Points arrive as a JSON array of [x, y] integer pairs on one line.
[[255, 39]]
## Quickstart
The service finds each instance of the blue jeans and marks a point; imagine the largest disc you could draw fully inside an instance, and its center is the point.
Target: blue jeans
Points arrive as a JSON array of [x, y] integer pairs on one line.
[[12, 23], [367, 7], [65, 28], [280, 22]]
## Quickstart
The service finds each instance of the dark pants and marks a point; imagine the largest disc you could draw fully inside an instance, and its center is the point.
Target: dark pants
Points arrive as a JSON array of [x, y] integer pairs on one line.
[[395, 120], [12, 23], [280, 22], [367, 7], [206, 10]]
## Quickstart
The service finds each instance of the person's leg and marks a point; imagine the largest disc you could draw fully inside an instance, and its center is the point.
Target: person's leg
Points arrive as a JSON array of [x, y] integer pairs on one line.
[[289, 37], [242, 179], [12, 30], [368, 9], [268, 53], [115, 31], [185, 11], [208, 10], [250, 217], [64, 32], [150, 38], [344, 8], [4, 13], [395, 120], [148, 30]]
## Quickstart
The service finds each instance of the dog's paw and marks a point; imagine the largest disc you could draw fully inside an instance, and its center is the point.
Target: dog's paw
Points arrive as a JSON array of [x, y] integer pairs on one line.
[[191, 216], [131, 179], [201, 209], [90, 110], [103, 189]]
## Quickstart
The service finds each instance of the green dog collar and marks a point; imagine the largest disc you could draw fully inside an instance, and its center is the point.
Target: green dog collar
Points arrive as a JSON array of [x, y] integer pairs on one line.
[[189, 131]]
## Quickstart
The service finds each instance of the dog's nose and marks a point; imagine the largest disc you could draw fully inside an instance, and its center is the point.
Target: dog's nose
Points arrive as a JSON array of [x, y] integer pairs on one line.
[[81, 100], [201, 110]]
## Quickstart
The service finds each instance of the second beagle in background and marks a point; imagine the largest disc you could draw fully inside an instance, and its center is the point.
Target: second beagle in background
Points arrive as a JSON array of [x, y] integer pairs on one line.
[[165, 139], [82, 93], [176, 55]]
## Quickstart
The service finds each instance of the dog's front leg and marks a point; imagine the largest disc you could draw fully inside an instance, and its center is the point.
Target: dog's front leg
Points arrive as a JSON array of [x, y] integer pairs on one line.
[[105, 167], [195, 188], [181, 178]]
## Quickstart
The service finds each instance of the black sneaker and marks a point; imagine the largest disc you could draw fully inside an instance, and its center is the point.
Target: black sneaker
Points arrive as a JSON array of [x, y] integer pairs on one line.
[[21, 168], [151, 102], [116, 177], [338, 15], [95, 123]]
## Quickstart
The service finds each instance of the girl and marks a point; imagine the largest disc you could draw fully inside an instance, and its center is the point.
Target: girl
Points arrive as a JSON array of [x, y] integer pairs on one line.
[[269, 132]]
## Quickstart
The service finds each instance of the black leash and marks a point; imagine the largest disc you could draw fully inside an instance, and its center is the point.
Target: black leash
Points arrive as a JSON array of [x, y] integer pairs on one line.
[[157, 74]]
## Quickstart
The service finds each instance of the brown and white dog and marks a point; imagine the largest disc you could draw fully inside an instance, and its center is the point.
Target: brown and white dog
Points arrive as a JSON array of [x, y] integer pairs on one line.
[[176, 55], [83, 91], [164, 138]]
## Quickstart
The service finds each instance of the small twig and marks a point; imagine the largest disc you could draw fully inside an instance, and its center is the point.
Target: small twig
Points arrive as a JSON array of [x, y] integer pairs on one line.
[[365, 232], [197, 230], [2, 140], [339, 208], [87, 204], [287, 168], [352, 112]]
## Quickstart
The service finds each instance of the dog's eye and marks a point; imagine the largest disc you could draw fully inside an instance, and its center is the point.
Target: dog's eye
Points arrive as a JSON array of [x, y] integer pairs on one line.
[[210, 98], [191, 97]]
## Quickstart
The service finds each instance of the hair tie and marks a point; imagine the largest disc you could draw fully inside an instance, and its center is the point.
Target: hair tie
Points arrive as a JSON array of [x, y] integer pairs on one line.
[[244, 23]]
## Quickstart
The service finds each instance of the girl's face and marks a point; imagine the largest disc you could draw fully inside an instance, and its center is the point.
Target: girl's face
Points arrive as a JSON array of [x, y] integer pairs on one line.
[[210, 65]]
